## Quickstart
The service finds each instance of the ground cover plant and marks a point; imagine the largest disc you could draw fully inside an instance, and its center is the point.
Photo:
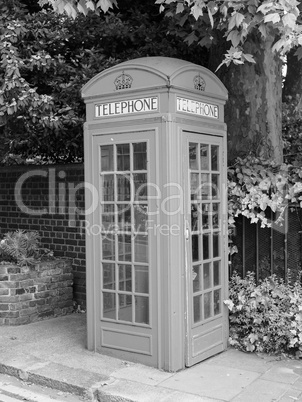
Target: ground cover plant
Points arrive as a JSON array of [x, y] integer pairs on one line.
[[265, 317]]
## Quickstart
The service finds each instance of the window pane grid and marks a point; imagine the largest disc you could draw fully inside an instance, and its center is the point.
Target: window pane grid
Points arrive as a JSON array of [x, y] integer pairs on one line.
[[124, 245], [204, 165]]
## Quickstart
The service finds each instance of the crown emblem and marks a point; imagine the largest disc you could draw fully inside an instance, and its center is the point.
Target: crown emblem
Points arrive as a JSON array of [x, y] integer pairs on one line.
[[199, 83], [123, 81]]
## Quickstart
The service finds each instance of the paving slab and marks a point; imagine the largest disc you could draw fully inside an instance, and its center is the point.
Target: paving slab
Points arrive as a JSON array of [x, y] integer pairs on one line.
[[281, 374], [291, 396], [53, 353], [244, 361], [134, 391], [263, 391], [212, 381]]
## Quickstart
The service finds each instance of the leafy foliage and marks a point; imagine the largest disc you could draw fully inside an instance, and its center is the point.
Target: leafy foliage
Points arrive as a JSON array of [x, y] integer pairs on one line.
[[256, 184], [47, 58], [31, 120], [266, 317], [277, 21], [73, 7], [22, 248], [292, 131]]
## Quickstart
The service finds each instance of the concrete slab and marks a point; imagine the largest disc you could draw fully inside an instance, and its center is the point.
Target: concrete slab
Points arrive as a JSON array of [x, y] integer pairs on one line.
[[262, 390], [212, 381], [243, 361], [291, 396], [281, 374], [146, 375], [54, 353], [137, 392]]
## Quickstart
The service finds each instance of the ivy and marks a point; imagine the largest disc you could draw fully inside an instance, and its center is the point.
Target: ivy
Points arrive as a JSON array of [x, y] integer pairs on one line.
[[266, 317], [256, 184]]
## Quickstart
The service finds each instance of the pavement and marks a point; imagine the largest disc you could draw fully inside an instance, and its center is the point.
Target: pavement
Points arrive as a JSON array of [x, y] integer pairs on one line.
[[52, 353]]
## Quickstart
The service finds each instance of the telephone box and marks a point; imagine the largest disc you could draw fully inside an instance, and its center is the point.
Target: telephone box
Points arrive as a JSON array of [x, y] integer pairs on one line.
[[156, 212]]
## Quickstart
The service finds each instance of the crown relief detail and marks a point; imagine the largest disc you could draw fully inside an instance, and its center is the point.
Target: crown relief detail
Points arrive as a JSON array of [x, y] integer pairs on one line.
[[199, 83], [123, 81]]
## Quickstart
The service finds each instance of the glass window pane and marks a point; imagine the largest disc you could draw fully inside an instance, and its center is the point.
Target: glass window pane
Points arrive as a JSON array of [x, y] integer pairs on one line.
[[108, 217], [215, 157], [109, 276], [124, 217], [141, 248], [204, 157], [123, 188], [207, 283], [196, 274], [193, 151], [194, 185], [207, 306], [125, 308], [205, 186], [215, 186], [125, 278], [109, 305], [216, 243], [140, 156], [140, 217], [206, 246], [107, 187], [140, 186], [141, 279], [106, 158], [216, 273], [194, 218], [108, 247], [142, 309], [124, 247], [205, 216], [197, 309], [215, 216], [217, 301], [195, 248], [123, 156]]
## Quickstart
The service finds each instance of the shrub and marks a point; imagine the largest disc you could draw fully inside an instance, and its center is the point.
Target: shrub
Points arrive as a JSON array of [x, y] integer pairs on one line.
[[22, 248], [266, 317]]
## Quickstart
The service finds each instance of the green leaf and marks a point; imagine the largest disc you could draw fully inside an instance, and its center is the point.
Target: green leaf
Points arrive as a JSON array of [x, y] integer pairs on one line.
[[196, 11], [235, 20], [191, 38], [234, 37], [105, 5], [273, 17], [248, 57], [289, 20], [179, 8]]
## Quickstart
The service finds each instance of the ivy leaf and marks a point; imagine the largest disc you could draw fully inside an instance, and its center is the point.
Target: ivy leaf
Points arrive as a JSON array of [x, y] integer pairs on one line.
[[234, 37], [179, 8], [263, 30], [81, 6], [90, 4], [289, 20], [298, 53], [273, 17], [265, 8], [196, 11], [248, 57], [191, 38], [235, 20], [250, 347]]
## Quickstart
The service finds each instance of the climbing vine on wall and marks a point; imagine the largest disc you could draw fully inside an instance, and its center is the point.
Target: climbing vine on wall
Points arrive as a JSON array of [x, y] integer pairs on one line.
[[256, 184]]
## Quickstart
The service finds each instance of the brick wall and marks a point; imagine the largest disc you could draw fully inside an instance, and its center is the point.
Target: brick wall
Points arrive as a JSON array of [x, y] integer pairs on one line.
[[32, 294], [50, 200]]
